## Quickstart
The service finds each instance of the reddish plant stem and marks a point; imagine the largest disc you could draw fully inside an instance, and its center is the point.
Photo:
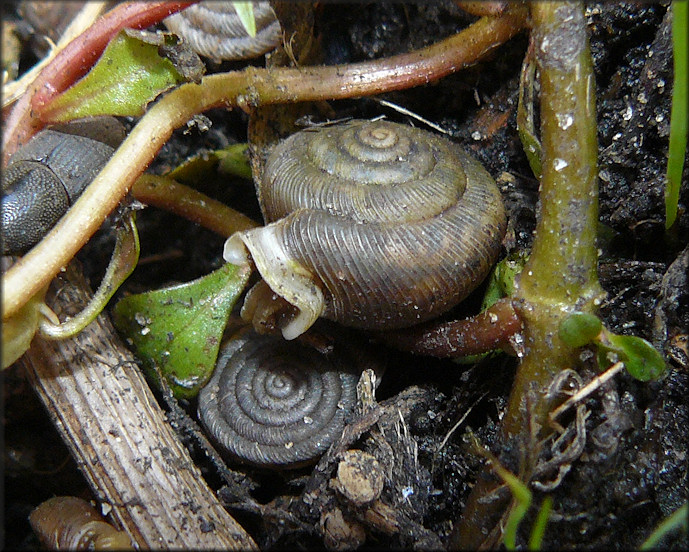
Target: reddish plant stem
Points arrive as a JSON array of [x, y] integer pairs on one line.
[[395, 73], [73, 62], [247, 89], [486, 331], [166, 193]]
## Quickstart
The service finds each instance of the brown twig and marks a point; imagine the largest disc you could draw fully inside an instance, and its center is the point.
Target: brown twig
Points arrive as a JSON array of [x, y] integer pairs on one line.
[[120, 438]]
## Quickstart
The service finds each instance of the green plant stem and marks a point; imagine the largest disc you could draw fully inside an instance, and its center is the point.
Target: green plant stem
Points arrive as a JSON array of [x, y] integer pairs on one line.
[[122, 264], [560, 276], [247, 89]]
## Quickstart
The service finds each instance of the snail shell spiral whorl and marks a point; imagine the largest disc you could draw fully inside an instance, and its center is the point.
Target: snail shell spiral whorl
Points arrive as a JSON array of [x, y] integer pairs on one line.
[[276, 403], [214, 30], [379, 225]]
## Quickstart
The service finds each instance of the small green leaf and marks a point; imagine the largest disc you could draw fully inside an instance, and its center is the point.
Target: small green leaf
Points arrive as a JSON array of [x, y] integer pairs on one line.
[[525, 116], [234, 160], [640, 358], [677, 521], [129, 74], [245, 11], [538, 529], [501, 279], [178, 330], [579, 329], [231, 160], [520, 492]]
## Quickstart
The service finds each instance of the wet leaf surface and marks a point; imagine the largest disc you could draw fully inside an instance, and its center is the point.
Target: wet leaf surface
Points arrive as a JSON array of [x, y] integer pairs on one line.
[[178, 330]]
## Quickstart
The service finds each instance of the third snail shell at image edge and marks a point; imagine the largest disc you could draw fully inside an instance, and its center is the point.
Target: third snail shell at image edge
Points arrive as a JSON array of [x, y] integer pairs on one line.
[[375, 225]]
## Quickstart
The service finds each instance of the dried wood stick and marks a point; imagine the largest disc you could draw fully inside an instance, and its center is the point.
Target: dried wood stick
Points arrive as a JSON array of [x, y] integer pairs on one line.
[[132, 459]]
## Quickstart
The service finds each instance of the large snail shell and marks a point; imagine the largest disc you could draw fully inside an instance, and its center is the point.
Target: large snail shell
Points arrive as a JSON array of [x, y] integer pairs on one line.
[[214, 30], [48, 174], [276, 403], [384, 225]]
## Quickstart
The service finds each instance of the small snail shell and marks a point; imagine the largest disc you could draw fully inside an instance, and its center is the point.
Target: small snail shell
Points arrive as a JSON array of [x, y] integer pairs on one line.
[[71, 523], [214, 30], [276, 403], [379, 225], [45, 177]]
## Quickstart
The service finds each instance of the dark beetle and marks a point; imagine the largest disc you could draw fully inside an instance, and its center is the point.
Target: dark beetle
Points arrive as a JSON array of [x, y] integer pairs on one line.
[[47, 175]]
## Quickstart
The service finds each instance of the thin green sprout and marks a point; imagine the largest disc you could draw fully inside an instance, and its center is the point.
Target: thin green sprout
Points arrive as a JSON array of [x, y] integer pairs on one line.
[[679, 117], [671, 523], [538, 529]]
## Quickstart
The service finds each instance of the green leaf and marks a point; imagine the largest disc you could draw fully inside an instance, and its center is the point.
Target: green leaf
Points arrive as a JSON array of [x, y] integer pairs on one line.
[[501, 279], [129, 74], [676, 521], [178, 330], [520, 492], [640, 358], [579, 329], [538, 529], [245, 11], [232, 160]]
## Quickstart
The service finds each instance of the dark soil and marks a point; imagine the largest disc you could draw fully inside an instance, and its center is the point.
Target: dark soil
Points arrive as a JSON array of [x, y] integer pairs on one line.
[[633, 471]]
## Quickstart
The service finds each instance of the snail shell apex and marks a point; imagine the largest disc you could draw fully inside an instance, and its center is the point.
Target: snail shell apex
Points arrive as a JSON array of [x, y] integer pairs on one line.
[[377, 225]]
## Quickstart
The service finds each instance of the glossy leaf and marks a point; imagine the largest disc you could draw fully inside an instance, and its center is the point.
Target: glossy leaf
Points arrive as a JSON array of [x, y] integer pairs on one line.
[[579, 329], [178, 330], [129, 74], [640, 358]]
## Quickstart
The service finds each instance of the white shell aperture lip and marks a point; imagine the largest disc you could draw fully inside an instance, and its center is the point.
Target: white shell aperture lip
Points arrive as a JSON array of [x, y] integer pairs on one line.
[[284, 276], [235, 252]]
